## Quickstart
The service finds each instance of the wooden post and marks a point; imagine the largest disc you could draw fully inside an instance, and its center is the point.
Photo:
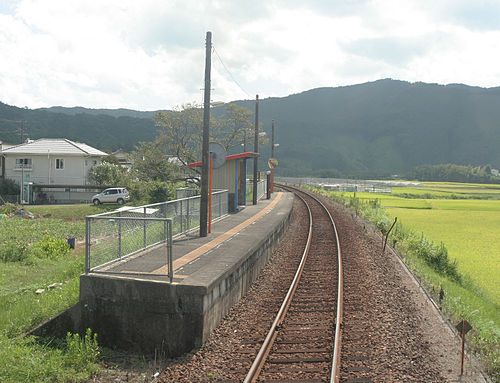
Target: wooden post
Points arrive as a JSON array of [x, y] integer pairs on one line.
[[463, 348], [210, 197], [204, 153], [256, 150]]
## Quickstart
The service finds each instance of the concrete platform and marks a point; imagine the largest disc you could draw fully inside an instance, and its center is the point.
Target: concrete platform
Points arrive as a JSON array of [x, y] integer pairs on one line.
[[148, 313]]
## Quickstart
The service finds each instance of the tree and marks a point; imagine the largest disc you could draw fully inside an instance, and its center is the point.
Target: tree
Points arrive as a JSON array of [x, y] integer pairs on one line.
[[150, 162], [8, 187], [234, 126], [182, 130], [111, 159], [106, 174]]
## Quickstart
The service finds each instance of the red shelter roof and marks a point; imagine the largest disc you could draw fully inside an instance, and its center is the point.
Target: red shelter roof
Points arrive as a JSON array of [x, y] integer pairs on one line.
[[229, 158]]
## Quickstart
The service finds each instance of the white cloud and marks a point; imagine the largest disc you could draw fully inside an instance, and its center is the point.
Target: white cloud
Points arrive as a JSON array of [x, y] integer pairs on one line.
[[150, 54]]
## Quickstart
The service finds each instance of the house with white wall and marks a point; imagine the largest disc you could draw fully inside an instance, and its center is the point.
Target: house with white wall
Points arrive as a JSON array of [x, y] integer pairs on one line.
[[3, 146], [57, 165]]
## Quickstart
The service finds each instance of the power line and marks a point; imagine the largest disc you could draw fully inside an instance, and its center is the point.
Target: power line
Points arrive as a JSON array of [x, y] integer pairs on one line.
[[229, 72]]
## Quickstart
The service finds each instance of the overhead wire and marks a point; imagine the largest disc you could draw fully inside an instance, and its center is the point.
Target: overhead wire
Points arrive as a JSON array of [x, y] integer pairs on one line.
[[229, 72]]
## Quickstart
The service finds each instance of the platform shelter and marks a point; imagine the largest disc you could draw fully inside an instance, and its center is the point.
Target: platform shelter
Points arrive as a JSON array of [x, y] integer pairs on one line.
[[232, 175]]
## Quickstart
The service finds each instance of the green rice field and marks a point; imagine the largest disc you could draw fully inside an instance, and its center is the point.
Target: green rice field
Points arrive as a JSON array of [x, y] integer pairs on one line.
[[464, 217], [469, 229]]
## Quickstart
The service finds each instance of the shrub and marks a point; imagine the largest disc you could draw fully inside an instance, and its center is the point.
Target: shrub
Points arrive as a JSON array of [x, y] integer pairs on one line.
[[20, 250], [106, 174], [8, 208], [50, 247], [12, 250], [146, 192], [8, 187]]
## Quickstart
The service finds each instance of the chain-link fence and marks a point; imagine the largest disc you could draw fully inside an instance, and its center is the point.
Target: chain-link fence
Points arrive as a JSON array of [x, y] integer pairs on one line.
[[12, 198], [344, 185], [261, 189], [115, 237]]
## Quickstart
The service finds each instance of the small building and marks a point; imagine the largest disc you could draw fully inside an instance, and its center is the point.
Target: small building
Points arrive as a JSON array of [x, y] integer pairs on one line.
[[232, 176], [3, 146], [58, 167], [123, 158]]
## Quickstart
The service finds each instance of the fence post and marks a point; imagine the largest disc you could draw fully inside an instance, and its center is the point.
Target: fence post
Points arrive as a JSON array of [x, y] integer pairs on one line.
[[144, 239], [119, 235], [164, 222], [220, 203], [170, 255], [182, 218], [87, 245], [187, 215]]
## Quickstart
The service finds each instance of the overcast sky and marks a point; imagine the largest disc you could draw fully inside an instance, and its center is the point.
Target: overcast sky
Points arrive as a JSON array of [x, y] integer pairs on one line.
[[149, 55]]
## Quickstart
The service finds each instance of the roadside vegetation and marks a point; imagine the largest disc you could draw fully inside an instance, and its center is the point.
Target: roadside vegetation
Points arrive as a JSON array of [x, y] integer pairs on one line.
[[39, 278], [452, 247]]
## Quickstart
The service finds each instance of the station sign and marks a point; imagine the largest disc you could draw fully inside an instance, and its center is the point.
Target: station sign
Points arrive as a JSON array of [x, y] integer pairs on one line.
[[272, 162]]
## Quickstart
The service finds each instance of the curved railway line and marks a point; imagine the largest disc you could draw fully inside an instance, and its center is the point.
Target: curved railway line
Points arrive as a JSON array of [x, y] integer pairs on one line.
[[304, 340], [383, 330]]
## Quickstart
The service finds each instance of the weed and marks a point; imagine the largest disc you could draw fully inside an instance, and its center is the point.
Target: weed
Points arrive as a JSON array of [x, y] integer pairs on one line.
[[82, 353], [31, 359]]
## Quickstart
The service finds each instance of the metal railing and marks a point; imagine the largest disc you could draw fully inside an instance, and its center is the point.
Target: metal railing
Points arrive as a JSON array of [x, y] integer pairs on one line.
[[343, 185], [261, 189], [115, 237]]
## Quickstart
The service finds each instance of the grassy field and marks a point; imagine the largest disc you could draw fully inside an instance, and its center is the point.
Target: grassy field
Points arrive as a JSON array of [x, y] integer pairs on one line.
[[458, 216], [470, 230], [34, 255]]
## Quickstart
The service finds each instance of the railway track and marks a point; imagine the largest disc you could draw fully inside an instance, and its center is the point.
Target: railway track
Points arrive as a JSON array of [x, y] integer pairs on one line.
[[389, 334], [303, 343]]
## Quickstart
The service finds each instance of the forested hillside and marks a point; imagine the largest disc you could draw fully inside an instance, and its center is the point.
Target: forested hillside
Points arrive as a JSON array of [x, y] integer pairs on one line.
[[368, 130], [384, 127], [102, 131]]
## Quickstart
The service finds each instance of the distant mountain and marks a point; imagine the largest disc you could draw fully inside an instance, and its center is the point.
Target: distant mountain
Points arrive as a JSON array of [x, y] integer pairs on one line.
[[383, 127], [104, 129], [96, 112], [367, 130]]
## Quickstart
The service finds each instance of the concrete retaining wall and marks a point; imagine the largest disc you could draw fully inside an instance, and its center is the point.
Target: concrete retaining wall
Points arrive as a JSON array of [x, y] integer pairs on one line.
[[154, 316]]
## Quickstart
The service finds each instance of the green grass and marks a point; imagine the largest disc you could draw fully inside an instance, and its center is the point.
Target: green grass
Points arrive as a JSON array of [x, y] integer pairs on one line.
[[31, 359], [468, 227], [462, 302], [450, 190], [20, 308], [470, 232], [388, 200], [70, 212]]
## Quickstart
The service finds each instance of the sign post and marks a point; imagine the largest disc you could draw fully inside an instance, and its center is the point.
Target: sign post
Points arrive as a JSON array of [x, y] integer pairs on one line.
[[463, 328], [272, 163]]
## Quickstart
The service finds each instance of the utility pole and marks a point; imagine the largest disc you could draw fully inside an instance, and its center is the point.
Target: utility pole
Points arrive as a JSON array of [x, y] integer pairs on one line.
[[272, 139], [206, 135], [256, 150], [22, 164], [272, 156], [244, 140]]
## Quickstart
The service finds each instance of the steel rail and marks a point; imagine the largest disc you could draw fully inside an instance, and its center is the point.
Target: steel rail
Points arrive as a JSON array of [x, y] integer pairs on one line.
[[335, 372], [259, 361]]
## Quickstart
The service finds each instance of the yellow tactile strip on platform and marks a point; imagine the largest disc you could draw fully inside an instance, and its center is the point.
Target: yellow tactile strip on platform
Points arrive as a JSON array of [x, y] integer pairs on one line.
[[217, 241]]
